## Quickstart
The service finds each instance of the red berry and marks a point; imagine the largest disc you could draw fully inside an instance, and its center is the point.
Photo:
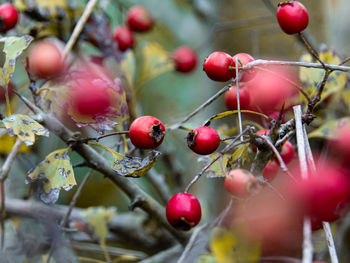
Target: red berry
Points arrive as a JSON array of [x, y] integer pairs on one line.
[[2, 92], [8, 17], [183, 211], [139, 19], [325, 193], [219, 66], [287, 152], [341, 144], [271, 170], [244, 59], [124, 37], [185, 59], [45, 60], [146, 132], [203, 140], [231, 98], [292, 17], [241, 183]]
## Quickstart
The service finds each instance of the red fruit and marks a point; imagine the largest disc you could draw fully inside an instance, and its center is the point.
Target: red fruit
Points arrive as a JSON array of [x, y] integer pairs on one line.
[[341, 144], [287, 152], [8, 17], [292, 17], [185, 59], [231, 98], [183, 211], [219, 66], [325, 193], [271, 170], [241, 183], [203, 140], [146, 132], [2, 92], [244, 59], [124, 37], [45, 60], [139, 19]]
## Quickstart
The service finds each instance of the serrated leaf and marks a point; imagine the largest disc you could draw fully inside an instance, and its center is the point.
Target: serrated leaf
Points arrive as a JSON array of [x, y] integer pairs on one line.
[[134, 166], [311, 76], [228, 246], [217, 169], [24, 127], [241, 152], [98, 219], [55, 172], [329, 129], [13, 48], [231, 112]]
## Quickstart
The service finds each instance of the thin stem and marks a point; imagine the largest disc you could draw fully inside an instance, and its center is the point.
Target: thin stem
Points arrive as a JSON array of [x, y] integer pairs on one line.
[[310, 49], [79, 27], [102, 136], [280, 142], [344, 61], [226, 149], [201, 107], [238, 101]]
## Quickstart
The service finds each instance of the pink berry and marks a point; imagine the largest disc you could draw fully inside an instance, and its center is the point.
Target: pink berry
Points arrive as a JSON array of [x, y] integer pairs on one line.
[[124, 37], [219, 66], [231, 98], [244, 59], [241, 183], [271, 170], [139, 19], [185, 59]]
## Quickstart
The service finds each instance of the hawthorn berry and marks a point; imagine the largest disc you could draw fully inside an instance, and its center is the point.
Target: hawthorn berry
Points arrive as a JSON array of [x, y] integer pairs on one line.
[[146, 132], [8, 17], [124, 37], [219, 66], [183, 211], [185, 59], [287, 152], [203, 140], [231, 98], [271, 170], [292, 17], [45, 60], [139, 19], [244, 59], [241, 183]]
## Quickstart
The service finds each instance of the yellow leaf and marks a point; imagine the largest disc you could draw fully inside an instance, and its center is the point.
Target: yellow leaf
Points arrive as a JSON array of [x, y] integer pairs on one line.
[[329, 129], [241, 152], [56, 172], [217, 169], [231, 112], [24, 127], [7, 143]]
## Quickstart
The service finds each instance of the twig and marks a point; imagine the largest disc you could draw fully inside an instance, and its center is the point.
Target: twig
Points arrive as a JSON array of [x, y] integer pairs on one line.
[[226, 149], [158, 182], [238, 101], [3, 176], [344, 61], [84, 140], [311, 49], [201, 107], [284, 139], [307, 243], [79, 27]]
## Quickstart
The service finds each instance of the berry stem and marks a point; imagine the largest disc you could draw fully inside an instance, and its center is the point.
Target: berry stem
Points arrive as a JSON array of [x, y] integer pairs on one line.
[[85, 140]]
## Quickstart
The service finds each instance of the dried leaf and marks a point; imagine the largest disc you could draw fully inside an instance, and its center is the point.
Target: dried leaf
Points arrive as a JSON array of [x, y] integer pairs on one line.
[[329, 129], [134, 166], [55, 172], [218, 168], [24, 127]]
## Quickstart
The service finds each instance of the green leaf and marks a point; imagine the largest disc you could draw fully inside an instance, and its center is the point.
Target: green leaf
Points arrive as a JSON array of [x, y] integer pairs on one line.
[[329, 129], [231, 112], [241, 152], [55, 172], [206, 259], [311, 76], [24, 127], [218, 168], [13, 48], [134, 166], [98, 219]]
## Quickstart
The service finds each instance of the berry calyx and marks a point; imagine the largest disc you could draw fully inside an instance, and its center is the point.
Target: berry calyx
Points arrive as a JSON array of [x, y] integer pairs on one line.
[[146, 132], [8, 17], [271, 170], [292, 17], [185, 59], [203, 140], [244, 59], [139, 19], [231, 98], [287, 152], [219, 66], [241, 183], [45, 60], [183, 211], [124, 37]]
